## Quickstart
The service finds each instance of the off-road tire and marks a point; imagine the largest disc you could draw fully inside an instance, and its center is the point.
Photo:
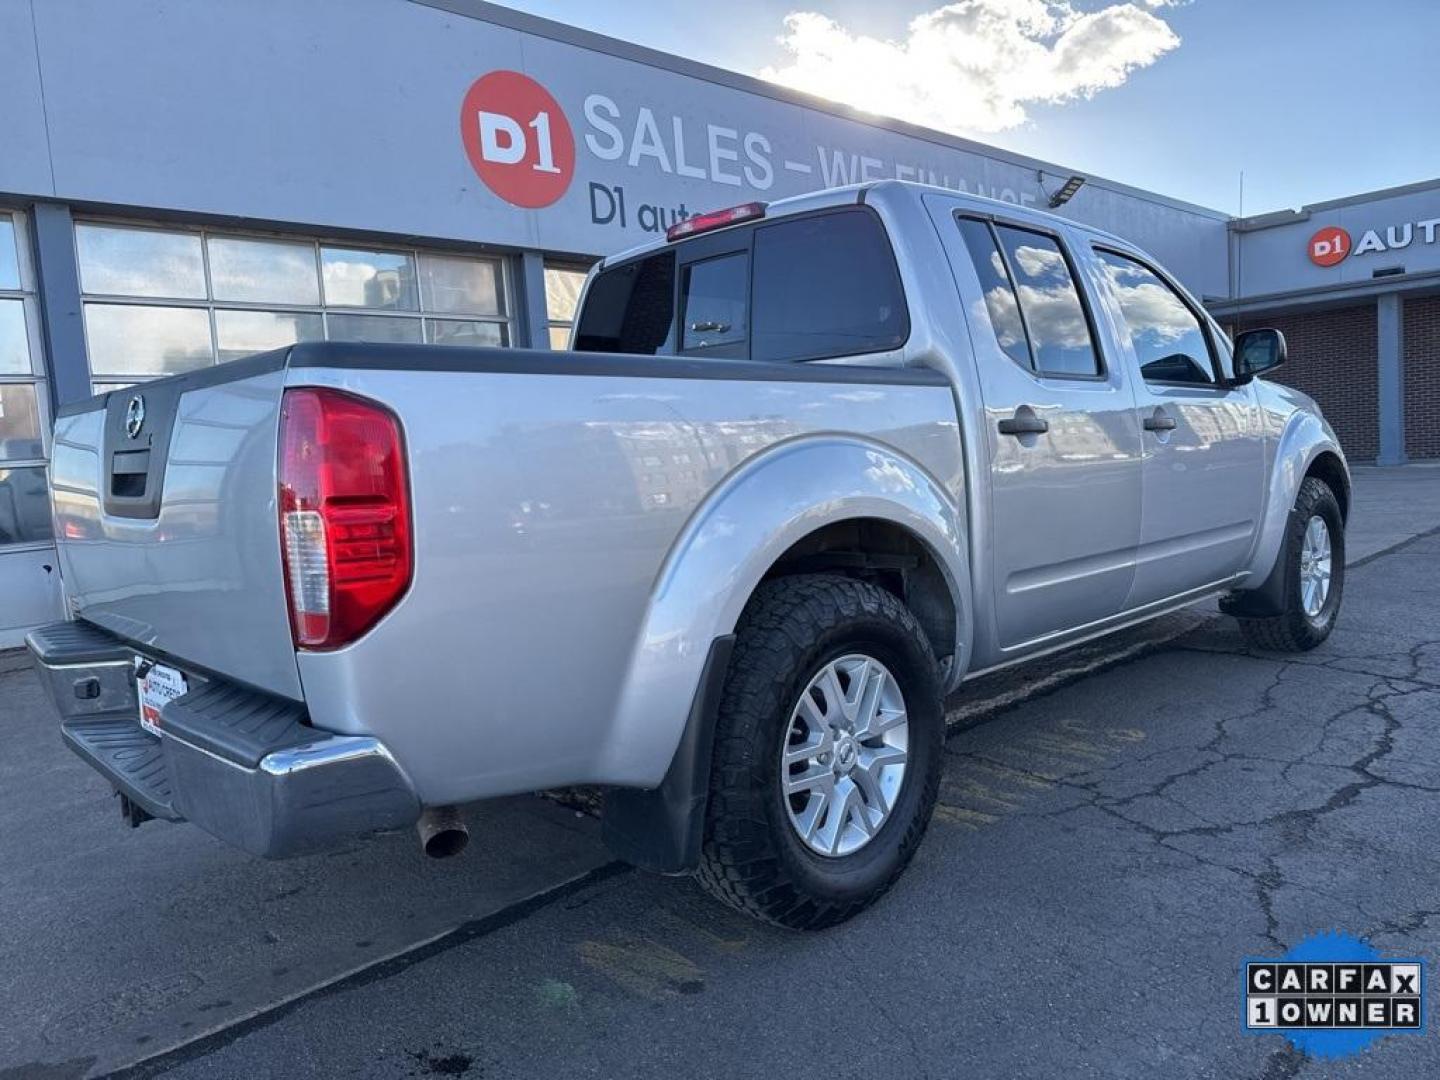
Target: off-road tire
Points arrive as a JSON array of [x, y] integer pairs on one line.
[[752, 858], [1293, 630]]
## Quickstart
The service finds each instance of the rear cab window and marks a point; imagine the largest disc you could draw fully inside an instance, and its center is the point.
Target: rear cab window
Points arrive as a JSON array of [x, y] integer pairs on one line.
[[715, 294], [811, 286]]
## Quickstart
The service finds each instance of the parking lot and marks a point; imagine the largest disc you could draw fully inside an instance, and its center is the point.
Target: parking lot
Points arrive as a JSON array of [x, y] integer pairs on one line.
[[1116, 830]]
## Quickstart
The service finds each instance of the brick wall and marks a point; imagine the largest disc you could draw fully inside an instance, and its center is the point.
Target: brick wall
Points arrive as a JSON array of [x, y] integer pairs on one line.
[[1332, 357], [1422, 377]]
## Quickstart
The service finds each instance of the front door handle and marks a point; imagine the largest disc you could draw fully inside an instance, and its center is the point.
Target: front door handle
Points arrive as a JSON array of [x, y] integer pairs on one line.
[[1024, 422], [1159, 422]]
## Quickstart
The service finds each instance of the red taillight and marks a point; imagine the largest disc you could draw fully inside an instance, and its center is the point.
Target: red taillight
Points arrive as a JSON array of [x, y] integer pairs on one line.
[[344, 515], [715, 219]]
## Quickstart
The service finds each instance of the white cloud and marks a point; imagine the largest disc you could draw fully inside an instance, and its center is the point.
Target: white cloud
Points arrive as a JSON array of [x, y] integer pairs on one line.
[[975, 65]]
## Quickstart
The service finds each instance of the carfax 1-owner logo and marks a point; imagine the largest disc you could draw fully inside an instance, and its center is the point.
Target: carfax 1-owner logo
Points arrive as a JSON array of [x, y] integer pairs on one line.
[[1332, 995]]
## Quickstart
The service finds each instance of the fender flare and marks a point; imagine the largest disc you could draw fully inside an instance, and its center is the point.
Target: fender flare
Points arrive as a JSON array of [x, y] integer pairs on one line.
[[659, 740], [1305, 437]]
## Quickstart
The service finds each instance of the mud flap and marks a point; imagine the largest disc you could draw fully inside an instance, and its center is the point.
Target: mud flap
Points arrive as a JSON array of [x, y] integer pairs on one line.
[[662, 829]]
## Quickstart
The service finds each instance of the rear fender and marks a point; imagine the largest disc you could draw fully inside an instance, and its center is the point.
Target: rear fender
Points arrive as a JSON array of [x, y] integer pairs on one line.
[[731, 541]]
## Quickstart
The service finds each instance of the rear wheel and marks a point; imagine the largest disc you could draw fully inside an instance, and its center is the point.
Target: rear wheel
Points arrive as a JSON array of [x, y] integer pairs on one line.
[[1314, 567], [827, 755]]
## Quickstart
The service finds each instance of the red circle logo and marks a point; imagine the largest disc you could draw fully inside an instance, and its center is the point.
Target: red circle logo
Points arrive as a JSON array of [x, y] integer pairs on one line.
[[1329, 246], [517, 139]]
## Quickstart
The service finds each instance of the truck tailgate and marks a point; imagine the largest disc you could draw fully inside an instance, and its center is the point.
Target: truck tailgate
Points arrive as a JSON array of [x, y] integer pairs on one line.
[[166, 521]]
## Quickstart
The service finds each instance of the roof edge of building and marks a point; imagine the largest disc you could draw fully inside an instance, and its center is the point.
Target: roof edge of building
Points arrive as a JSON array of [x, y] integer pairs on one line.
[[1289, 217]]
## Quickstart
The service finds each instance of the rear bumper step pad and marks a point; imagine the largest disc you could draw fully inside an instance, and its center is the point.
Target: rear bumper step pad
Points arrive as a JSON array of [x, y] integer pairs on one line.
[[128, 756], [241, 764]]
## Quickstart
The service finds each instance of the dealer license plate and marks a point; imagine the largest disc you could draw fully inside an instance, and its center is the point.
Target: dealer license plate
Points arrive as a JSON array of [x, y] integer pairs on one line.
[[157, 686]]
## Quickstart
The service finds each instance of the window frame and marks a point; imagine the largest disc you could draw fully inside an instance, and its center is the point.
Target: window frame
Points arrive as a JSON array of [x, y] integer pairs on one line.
[[1222, 382], [318, 243], [38, 375], [1097, 343]]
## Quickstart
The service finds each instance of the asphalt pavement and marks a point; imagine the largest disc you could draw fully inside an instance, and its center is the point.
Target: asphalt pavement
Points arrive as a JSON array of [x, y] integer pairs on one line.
[[1117, 829]]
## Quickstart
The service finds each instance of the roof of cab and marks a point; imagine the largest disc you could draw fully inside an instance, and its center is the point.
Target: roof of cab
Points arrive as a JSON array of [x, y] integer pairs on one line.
[[855, 193]]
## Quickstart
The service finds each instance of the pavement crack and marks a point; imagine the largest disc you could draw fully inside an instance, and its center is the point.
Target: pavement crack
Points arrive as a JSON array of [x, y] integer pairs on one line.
[[1407, 924]]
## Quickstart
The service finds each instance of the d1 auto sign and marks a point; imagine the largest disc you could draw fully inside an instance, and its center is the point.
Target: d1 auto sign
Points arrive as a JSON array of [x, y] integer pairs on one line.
[[1329, 246], [518, 139]]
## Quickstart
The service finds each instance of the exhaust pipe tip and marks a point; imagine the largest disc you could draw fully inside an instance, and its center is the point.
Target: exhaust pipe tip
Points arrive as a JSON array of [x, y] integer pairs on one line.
[[442, 832]]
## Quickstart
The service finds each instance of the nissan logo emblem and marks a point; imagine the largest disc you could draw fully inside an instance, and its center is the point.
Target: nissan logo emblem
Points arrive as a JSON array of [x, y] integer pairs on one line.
[[135, 416]]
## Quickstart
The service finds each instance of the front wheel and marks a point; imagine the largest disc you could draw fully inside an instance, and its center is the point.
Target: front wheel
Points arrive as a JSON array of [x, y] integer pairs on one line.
[[1313, 559], [828, 751]]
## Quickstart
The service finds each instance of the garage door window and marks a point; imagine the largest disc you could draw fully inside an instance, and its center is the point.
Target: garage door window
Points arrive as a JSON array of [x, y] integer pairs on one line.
[[24, 419], [163, 301], [562, 298]]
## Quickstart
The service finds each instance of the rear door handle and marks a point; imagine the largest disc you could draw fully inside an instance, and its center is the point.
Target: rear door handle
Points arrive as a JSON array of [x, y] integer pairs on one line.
[[1159, 422], [1024, 422]]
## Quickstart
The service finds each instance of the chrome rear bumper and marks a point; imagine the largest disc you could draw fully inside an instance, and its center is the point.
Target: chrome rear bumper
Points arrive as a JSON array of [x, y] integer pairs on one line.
[[301, 799], [273, 786]]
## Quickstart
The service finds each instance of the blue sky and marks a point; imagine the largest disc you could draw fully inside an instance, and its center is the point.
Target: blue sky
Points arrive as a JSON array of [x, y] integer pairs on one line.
[[1313, 99]]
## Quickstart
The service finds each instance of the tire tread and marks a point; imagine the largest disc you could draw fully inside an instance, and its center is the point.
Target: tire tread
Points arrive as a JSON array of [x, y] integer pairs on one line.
[[740, 863], [1292, 631]]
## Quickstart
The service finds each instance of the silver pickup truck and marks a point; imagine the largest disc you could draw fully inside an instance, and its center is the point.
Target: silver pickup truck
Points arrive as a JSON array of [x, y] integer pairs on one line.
[[809, 467]]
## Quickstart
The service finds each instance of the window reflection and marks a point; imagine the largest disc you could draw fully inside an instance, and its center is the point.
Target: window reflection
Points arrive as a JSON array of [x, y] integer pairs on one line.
[[261, 293], [20, 438], [263, 271], [562, 292], [135, 339], [371, 279], [563, 285], [1169, 343], [1000, 304], [463, 332], [9, 254], [373, 328], [714, 295], [24, 506], [14, 344], [140, 262], [242, 333], [1054, 315], [460, 286]]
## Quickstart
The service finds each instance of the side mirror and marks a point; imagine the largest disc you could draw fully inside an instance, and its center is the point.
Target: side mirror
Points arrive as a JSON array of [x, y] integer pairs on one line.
[[1256, 352]]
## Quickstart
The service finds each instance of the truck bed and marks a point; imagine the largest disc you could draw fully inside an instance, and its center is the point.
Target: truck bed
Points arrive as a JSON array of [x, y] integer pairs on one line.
[[547, 490]]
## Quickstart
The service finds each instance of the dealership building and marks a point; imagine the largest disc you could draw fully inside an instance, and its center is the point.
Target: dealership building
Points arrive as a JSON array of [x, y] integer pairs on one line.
[[183, 184]]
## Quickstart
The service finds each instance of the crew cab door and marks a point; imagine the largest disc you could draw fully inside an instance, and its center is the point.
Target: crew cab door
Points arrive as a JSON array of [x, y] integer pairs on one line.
[[1204, 456], [1059, 428]]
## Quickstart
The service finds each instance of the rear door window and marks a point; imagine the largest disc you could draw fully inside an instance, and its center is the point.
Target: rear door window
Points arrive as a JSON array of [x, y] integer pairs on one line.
[[1031, 299], [1001, 306], [826, 285], [1050, 304]]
